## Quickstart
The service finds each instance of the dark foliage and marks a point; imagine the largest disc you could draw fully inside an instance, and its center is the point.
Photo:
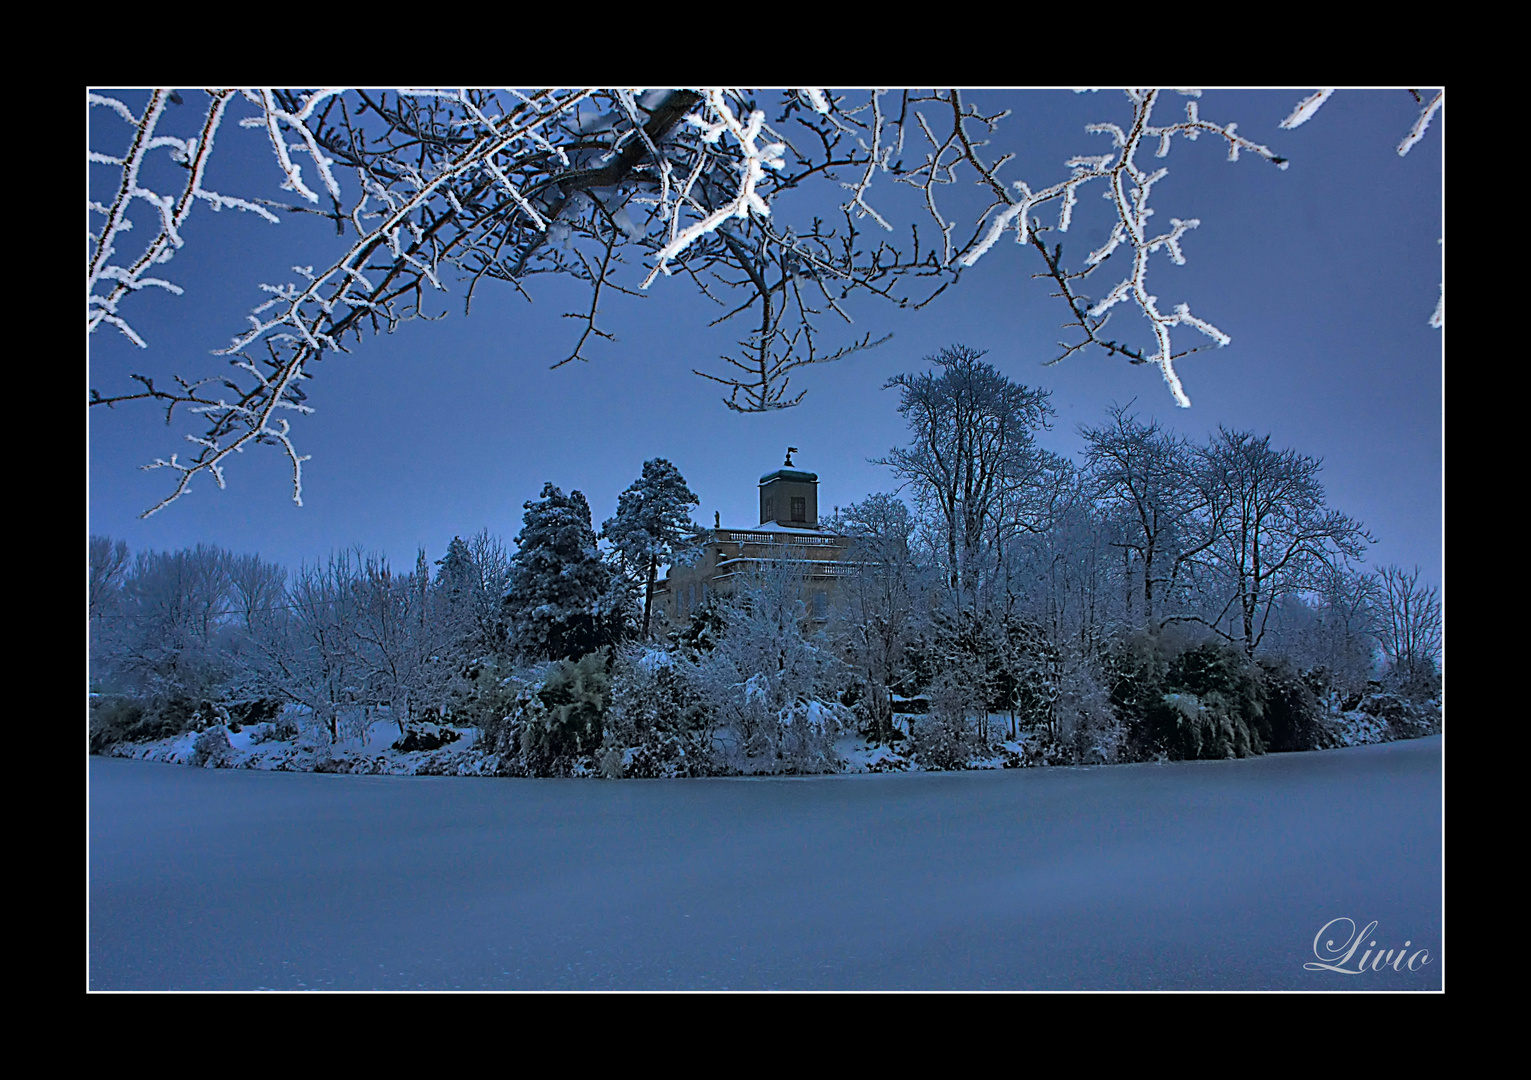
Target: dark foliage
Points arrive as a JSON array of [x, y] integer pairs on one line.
[[563, 720], [121, 718], [563, 601], [1294, 716], [1206, 701], [706, 627], [426, 737], [660, 727]]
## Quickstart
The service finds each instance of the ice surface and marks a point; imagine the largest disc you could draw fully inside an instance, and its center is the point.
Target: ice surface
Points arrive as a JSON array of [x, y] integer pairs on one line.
[[1185, 875]]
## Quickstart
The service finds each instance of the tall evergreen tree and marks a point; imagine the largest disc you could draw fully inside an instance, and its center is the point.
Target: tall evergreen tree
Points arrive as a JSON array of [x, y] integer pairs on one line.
[[458, 574], [653, 518], [560, 603]]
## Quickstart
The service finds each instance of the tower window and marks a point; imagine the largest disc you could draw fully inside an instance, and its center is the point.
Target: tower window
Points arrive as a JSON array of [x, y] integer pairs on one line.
[[799, 508], [770, 510]]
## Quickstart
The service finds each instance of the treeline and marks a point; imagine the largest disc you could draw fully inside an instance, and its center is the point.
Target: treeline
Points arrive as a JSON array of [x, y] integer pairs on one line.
[[1158, 598]]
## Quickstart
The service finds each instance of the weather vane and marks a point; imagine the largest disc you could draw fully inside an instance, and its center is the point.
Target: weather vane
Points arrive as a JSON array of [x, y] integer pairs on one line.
[[790, 451]]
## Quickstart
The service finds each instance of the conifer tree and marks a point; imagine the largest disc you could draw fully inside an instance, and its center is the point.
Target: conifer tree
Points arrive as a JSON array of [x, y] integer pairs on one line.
[[560, 604], [653, 518], [458, 574]]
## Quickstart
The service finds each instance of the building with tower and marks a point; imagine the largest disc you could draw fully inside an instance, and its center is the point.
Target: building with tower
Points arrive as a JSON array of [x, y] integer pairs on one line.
[[788, 529]]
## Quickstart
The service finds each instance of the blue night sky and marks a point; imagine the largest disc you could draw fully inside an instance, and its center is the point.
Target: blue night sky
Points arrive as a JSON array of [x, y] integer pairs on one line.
[[1324, 275]]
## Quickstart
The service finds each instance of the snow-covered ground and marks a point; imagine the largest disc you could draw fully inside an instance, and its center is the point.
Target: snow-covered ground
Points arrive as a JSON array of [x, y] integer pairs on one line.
[[252, 748], [1216, 874]]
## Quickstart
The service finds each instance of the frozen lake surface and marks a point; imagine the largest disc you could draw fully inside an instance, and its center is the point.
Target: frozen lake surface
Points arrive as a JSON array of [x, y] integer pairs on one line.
[[1213, 875]]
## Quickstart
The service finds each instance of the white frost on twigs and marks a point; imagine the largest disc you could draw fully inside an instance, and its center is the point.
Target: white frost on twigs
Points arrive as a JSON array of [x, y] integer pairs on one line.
[[171, 210], [1305, 109], [1128, 187], [756, 159], [302, 321], [1417, 132]]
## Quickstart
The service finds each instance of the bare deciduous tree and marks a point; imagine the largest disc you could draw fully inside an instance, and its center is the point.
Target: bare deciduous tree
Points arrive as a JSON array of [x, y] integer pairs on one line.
[[881, 600], [403, 642], [108, 565], [974, 447], [309, 648], [1144, 476], [1274, 531], [1409, 629]]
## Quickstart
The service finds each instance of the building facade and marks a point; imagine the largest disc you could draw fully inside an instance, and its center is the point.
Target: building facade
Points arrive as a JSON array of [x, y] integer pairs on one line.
[[788, 529]]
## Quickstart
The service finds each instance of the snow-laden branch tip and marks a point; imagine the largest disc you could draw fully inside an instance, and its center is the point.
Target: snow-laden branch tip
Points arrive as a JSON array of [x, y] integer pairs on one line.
[[1309, 105], [1305, 109], [756, 159], [1426, 114], [1128, 187], [172, 211]]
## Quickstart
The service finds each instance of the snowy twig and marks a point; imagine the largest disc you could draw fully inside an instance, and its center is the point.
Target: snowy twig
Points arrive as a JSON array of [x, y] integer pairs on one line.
[[1128, 188], [193, 155]]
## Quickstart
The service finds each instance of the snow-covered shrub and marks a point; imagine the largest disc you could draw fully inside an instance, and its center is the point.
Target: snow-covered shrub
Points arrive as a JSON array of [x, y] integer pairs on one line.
[[1231, 692], [1418, 685], [1405, 719], [551, 724], [1042, 748], [768, 722], [315, 729], [1357, 728], [1085, 721], [946, 738], [211, 750], [1293, 713], [112, 720], [1206, 701], [659, 723], [943, 740], [773, 689], [1204, 727], [806, 733], [285, 727], [129, 719], [493, 705]]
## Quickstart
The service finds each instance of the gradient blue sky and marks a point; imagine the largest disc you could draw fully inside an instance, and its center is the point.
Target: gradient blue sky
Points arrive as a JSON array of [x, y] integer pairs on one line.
[[1324, 274]]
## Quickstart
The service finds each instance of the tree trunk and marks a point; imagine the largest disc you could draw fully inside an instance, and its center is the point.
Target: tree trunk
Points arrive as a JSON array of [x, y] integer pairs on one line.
[[648, 594]]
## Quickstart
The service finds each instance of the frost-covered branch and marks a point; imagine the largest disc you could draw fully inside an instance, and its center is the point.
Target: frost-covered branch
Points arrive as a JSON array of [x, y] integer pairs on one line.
[[1305, 109], [952, 138], [441, 183], [192, 154], [1310, 105], [381, 277], [440, 186]]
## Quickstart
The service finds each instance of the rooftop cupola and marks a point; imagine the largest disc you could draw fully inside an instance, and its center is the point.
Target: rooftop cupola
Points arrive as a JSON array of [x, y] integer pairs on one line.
[[790, 496]]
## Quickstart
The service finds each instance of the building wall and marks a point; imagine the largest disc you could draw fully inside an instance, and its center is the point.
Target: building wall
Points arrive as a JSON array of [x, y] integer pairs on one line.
[[732, 554]]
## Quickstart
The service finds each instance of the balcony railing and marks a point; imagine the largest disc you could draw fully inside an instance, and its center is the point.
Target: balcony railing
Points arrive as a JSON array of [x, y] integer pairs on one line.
[[784, 541]]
